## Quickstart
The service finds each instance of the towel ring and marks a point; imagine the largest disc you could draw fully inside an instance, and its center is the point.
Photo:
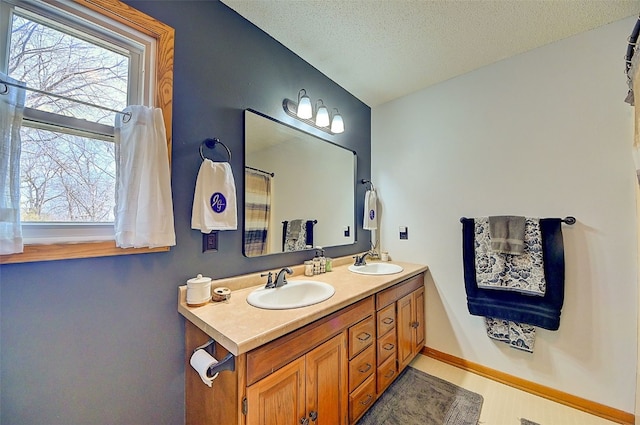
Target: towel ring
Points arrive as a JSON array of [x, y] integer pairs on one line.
[[211, 144]]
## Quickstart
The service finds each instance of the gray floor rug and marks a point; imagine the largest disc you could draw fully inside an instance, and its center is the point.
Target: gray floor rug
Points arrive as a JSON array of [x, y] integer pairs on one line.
[[417, 398]]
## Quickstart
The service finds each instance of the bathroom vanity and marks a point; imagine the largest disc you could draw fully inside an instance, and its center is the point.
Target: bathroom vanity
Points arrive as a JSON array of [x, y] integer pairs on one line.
[[326, 363]]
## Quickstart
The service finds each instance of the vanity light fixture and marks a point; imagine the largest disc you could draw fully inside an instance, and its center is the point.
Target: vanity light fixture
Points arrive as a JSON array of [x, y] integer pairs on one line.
[[303, 111]]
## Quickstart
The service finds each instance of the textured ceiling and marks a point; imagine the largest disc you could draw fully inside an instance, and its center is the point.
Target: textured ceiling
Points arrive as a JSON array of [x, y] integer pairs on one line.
[[380, 50]]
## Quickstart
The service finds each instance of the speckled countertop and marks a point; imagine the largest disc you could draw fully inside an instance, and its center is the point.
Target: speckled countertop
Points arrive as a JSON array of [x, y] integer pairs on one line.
[[240, 327]]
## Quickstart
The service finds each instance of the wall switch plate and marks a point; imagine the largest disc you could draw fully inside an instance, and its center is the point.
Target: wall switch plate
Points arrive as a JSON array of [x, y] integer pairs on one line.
[[404, 232], [210, 242]]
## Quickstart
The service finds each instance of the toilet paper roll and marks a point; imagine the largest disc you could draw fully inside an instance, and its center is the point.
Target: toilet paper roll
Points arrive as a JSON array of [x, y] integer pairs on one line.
[[201, 361], [221, 294]]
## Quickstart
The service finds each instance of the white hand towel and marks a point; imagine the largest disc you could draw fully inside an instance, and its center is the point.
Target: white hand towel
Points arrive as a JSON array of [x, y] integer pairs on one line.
[[214, 200], [370, 221]]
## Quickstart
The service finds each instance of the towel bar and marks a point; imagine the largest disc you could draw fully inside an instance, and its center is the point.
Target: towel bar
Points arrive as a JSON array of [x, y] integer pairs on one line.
[[570, 220], [211, 144]]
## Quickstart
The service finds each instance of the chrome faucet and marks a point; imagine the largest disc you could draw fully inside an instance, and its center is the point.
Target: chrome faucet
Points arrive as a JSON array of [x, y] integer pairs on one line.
[[360, 261], [281, 278]]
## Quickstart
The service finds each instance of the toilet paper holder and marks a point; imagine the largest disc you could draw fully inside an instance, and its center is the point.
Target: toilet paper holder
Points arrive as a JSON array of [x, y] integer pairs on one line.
[[227, 363]]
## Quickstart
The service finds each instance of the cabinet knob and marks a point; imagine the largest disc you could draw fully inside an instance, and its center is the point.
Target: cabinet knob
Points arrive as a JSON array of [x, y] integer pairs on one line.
[[415, 324], [313, 415], [304, 421]]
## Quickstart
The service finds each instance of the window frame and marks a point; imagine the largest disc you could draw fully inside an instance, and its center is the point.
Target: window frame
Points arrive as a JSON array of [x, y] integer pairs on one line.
[[161, 96]]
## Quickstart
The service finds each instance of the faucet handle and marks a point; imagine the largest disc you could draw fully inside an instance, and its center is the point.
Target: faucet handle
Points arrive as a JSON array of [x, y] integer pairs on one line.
[[269, 279]]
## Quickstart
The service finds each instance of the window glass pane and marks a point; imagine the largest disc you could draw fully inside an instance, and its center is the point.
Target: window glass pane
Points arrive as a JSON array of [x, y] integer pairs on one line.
[[48, 59], [66, 178]]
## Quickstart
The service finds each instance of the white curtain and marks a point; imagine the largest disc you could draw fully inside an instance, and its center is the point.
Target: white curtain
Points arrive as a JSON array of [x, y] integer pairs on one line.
[[144, 207], [11, 113]]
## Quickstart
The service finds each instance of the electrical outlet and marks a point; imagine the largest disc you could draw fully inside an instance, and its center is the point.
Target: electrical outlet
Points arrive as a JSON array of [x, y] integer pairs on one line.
[[347, 231], [210, 242], [404, 232]]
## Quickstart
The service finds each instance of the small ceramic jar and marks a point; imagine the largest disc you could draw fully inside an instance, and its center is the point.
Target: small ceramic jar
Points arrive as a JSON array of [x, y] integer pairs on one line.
[[198, 291]]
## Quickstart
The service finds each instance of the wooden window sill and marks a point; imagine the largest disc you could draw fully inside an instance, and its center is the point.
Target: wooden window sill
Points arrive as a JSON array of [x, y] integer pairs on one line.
[[33, 253]]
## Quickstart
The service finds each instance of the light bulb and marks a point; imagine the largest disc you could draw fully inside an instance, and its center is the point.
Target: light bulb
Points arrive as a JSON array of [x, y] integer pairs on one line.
[[305, 111], [322, 115], [337, 124]]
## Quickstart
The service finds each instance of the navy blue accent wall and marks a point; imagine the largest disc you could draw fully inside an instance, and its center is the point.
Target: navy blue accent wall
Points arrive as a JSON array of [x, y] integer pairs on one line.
[[100, 341]]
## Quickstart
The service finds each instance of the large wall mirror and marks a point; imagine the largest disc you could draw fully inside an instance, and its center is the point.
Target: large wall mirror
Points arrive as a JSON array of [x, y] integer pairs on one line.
[[299, 189]]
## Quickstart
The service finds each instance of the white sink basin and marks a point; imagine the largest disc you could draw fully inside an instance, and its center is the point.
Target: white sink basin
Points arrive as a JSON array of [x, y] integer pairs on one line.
[[376, 268], [295, 294]]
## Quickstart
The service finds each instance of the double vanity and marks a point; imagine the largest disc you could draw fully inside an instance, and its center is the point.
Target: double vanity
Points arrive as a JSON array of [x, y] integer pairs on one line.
[[323, 363]]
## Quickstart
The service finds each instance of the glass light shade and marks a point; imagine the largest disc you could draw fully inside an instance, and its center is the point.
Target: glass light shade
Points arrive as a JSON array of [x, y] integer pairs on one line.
[[322, 117], [337, 124], [305, 111]]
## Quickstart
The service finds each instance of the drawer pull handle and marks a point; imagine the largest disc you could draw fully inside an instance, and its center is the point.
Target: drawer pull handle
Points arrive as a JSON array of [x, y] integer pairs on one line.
[[387, 320], [365, 369], [390, 374], [366, 400], [388, 346], [366, 336]]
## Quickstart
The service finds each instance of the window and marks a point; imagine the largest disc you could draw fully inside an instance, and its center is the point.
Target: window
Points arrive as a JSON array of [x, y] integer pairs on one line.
[[96, 52]]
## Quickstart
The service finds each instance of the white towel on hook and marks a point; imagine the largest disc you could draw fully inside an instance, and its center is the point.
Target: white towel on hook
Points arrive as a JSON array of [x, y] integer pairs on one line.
[[370, 221], [214, 200]]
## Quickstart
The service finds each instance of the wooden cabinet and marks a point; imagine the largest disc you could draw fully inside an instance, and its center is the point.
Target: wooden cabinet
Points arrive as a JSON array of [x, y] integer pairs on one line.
[[400, 328], [328, 372], [410, 327], [311, 389]]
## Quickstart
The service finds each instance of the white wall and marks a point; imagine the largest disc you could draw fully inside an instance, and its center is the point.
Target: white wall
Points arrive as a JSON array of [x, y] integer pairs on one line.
[[543, 134]]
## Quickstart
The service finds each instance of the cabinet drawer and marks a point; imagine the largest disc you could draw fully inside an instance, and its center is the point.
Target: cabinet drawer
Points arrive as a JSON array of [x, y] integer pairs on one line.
[[386, 374], [361, 336], [362, 399], [386, 319], [361, 367], [386, 346], [389, 295]]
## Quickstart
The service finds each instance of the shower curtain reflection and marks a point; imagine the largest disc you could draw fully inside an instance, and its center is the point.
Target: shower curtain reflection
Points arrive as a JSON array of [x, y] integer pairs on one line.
[[257, 212]]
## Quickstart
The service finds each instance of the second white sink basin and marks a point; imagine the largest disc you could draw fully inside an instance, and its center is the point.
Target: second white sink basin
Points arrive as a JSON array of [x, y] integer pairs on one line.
[[376, 268], [295, 294]]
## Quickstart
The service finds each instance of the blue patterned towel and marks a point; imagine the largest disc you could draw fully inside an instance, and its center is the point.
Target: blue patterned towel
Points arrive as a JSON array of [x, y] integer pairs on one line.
[[520, 273], [517, 335]]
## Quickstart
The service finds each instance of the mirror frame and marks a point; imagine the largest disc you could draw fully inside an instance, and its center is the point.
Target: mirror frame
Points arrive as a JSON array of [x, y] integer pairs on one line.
[[321, 139]]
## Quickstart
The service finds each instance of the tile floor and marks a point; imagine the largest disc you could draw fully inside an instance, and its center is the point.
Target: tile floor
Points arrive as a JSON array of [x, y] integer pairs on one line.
[[505, 405]]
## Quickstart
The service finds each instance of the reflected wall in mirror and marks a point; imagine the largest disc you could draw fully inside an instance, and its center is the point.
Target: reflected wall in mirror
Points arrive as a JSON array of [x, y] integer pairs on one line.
[[299, 189]]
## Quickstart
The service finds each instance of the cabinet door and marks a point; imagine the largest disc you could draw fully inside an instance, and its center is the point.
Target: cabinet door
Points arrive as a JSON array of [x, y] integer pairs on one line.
[[418, 297], [278, 398], [405, 331], [327, 374]]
